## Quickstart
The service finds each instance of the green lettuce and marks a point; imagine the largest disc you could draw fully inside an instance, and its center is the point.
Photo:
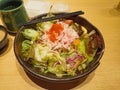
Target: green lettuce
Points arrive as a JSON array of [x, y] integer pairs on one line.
[[27, 49], [44, 26], [31, 34]]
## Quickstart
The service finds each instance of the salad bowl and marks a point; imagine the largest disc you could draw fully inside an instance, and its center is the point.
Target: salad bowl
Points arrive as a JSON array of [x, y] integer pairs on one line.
[[34, 73]]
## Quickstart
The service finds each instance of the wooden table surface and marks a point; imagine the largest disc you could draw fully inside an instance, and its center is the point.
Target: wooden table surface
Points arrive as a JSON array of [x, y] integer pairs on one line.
[[100, 13]]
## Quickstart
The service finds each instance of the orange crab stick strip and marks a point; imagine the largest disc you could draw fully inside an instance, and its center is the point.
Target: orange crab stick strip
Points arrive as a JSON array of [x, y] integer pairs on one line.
[[69, 22], [76, 41]]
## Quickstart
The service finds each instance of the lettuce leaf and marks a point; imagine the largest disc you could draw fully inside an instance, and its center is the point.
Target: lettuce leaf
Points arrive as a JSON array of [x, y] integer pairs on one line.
[[44, 26], [27, 49], [31, 34], [82, 47]]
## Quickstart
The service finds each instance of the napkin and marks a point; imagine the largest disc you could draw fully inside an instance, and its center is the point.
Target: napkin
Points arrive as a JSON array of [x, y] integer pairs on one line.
[[37, 7]]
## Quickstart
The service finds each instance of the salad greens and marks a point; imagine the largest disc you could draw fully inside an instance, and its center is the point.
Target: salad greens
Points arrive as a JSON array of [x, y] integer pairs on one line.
[[60, 47]]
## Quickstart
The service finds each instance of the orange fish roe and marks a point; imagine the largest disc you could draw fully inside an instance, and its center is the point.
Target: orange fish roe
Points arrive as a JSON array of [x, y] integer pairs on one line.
[[54, 32]]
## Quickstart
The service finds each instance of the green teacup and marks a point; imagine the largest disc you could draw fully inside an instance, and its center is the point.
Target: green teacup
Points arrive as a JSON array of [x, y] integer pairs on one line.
[[13, 13]]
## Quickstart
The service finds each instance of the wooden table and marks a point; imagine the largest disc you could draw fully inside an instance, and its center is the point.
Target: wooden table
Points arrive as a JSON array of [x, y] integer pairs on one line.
[[102, 14]]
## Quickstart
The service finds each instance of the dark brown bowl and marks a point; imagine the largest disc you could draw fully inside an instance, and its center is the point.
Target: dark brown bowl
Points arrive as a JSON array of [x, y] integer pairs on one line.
[[4, 39], [49, 78]]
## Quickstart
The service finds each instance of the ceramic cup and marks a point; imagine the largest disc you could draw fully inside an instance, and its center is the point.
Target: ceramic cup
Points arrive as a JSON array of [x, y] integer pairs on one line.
[[13, 13]]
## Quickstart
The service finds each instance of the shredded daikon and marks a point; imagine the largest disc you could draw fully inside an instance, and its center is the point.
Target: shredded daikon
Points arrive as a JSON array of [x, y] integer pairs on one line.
[[65, 38]]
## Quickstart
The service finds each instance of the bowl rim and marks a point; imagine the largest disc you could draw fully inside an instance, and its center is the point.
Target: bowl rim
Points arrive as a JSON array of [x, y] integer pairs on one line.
[[2, 28], [59, 80], [3, 41]]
